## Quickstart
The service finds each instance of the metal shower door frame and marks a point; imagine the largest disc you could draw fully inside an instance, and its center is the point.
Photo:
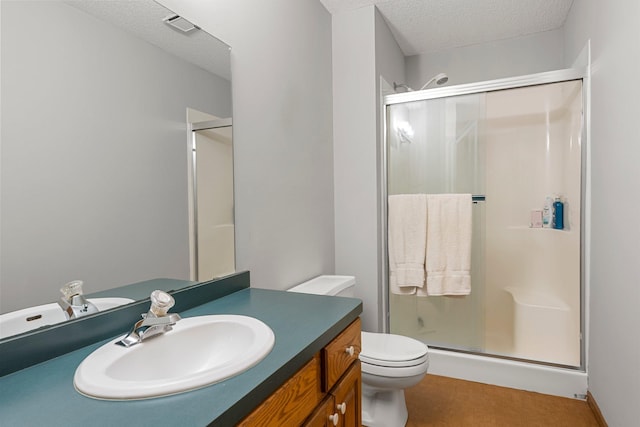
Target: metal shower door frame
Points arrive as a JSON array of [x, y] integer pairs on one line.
[[556, 76]]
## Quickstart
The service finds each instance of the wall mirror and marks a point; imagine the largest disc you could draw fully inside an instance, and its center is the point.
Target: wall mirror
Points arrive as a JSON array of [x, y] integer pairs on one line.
[[100, 104]]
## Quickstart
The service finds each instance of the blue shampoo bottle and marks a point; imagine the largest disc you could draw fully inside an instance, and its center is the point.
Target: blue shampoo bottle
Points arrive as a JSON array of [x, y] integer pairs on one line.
[[558, 214]]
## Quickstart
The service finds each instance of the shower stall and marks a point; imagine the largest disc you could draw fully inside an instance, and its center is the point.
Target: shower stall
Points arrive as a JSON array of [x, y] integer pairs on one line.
[[514, 144]]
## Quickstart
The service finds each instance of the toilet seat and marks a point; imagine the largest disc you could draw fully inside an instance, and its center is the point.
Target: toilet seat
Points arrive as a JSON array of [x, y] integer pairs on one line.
[[394, 372], [392, 350], [394, 363]]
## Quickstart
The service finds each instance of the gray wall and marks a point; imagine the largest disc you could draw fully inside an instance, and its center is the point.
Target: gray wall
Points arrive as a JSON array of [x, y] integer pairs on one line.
[[355, 151], [486, 61], [87, 192], [390, 61], [614, 323], [281, 64], [363, 51]]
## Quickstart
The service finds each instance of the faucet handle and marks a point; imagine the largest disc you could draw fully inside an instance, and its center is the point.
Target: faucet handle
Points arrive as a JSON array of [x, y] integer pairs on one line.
[[155, 322], [73, 302], [72, 288], [161, 302]]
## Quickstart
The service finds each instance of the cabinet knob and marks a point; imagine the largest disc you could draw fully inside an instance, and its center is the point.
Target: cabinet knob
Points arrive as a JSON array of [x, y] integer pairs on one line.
[[350, 350], [342, 407], [334, 418]]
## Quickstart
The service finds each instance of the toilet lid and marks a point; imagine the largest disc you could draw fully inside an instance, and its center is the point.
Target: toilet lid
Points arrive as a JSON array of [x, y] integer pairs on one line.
[[392, 350]]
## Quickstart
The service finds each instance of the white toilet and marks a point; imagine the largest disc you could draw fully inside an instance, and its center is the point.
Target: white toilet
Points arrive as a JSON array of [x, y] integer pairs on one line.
[[390, 363]]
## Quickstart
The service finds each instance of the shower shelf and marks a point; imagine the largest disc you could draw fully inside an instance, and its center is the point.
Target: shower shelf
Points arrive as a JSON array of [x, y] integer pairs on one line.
[[526, 227]]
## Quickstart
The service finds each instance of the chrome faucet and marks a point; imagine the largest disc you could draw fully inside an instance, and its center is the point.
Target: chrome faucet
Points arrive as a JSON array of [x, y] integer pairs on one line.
[[156, 321], [73, 302]]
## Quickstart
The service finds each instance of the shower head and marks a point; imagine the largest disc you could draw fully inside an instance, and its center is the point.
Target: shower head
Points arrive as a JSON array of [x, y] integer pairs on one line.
[[440, 79], [396, 86]]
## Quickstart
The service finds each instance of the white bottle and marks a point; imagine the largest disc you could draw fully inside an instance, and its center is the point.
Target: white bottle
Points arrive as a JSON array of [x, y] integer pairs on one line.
[[547, 212]]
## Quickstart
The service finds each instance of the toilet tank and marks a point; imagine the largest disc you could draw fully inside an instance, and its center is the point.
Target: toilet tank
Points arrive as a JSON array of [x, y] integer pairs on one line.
[[342, 286]]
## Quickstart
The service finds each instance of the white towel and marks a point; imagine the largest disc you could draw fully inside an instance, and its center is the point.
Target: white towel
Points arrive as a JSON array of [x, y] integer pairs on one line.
[[407, 242], [448, 252]]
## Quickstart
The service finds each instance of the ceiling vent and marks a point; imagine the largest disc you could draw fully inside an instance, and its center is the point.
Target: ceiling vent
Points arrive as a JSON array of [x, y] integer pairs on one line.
[[179, 23]]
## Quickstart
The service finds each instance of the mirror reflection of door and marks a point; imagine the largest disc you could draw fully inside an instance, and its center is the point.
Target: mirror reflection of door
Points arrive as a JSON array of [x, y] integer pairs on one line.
[[213, 249]]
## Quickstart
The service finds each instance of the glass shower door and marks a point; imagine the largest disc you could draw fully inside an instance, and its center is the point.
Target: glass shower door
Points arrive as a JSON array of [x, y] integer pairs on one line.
[[434, 146], [517, 148]]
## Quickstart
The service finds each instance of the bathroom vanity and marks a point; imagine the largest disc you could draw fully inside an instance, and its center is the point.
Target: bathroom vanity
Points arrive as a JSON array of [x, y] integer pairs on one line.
[[311, 374]]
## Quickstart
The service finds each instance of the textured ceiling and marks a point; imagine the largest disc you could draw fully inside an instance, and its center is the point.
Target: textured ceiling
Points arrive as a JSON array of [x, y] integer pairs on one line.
[[423, 26], [143, 18], [419, 26]]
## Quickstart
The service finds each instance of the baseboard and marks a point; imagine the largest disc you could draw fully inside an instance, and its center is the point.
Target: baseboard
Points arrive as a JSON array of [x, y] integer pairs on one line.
[[508, 373], [596, 410]]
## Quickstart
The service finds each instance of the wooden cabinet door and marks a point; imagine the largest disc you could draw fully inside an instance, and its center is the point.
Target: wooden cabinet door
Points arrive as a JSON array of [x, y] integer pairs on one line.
[[291, 403], [324, 416], [348, 397]]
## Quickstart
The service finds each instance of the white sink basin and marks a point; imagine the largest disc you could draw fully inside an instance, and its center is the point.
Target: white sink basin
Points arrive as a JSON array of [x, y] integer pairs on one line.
[[19, 321], [199, 351]]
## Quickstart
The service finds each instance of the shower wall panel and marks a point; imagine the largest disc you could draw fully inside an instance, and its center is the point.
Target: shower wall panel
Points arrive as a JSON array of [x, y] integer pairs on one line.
[[533, 152]]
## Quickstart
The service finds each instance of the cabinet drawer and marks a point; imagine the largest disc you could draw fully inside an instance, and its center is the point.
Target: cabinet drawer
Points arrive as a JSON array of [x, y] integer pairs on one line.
[[340, 353], [292, 402]]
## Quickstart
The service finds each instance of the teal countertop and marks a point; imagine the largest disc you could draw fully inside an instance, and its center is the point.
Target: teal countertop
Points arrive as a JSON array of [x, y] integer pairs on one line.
[[43, 395]]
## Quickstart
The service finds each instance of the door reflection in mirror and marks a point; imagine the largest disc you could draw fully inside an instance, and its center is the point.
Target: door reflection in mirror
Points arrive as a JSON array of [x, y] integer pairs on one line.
[[211, 197]]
